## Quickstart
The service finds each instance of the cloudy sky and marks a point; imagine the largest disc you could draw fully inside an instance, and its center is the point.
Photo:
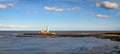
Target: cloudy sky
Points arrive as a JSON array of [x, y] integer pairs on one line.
[[60, 14]]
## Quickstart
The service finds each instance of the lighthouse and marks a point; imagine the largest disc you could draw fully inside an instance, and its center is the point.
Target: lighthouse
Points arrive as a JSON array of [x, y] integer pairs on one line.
[[47, 32], [47, 29]]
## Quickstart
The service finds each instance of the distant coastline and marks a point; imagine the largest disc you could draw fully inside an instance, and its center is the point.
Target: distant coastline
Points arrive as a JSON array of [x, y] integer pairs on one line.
[[113, 35]]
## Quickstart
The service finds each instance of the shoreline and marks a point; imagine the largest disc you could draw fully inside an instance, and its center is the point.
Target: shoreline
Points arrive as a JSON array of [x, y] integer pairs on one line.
[[115, 36], [111, 35]]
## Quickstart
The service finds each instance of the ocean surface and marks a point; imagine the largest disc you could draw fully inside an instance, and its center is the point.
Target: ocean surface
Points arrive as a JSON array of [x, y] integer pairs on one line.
[[57, 45]]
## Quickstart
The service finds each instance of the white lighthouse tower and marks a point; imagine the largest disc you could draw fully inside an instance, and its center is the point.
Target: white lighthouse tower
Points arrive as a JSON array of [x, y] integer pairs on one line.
[[47, 29], [46, 32]]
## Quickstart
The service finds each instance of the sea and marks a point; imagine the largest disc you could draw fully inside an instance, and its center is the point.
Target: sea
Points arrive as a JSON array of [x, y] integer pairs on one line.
[[57, 45]]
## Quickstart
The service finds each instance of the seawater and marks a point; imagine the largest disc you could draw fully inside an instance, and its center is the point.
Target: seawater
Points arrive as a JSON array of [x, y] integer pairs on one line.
[[57, 45]]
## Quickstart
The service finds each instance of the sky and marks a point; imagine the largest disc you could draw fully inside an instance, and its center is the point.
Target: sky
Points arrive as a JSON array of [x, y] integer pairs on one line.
[[60, 14]]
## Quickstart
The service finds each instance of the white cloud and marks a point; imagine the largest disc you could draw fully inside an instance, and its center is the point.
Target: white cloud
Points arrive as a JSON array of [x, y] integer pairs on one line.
[[99, 15], [60, 9], [12, 26], [97, 5], [3, 6], [74, 8], [53, 8], [10, 5], [110, 5], [102, 16], [17, 27], [118, 8], [6, 6]]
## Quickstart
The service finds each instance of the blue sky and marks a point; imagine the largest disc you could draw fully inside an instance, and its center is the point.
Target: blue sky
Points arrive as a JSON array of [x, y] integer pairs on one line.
[[60, 14]]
